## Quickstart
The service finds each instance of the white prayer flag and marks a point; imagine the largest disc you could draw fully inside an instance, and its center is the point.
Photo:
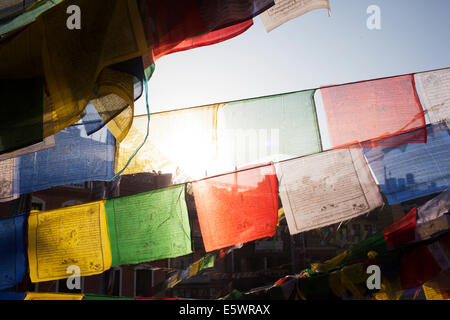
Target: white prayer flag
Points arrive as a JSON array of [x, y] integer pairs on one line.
[[285, 10], [326, 188]]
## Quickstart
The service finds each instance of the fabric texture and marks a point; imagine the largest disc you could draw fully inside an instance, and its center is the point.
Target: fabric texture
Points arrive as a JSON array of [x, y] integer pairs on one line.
[[76, 158], [8, 175], [181, 142], [326, 188], [286, 10], [173, 25], [76, 63], [149, 226], [12, 23], [238, 207], [434, 88], [58, 239], [53, 296], [267, 129], [413, 170], [13, 262], [370, 110], [47, 143], [401, 231]]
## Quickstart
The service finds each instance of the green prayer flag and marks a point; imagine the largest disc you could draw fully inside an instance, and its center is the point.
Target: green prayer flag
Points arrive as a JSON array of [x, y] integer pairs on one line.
[[268, 129], [21, 114], [208, 261], [27, 17], [360, 250], [148, 226], [89, 296]]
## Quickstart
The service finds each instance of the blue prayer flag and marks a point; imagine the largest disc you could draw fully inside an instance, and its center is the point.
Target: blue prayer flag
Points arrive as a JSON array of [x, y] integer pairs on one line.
[[12, 250], [413, 170]]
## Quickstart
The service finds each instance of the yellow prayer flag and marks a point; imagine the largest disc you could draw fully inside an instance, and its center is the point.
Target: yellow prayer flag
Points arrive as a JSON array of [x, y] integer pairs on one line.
[[182, 142], [53, 296], [433, 291], [65, 237]]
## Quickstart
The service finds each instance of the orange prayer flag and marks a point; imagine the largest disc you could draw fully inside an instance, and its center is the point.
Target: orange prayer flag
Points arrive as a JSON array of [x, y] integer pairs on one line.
[[371, 110], [237, 207]]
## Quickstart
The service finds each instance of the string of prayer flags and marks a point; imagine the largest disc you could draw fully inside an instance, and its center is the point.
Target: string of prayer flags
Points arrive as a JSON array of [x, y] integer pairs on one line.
[[53, 296], [75, 70], [12, 251], [286, 10], [181, 142], [413, 170], [76, 158], [237, 207], [72, 236], [149, 226], [434, 88], [326, 188], [370, 110], [267, 129]]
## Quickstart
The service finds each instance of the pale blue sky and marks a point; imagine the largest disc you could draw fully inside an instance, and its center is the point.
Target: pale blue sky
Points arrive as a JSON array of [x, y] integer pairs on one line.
[[311, 51]]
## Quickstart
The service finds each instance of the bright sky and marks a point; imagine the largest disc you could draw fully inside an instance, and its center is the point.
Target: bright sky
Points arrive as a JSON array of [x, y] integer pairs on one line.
[[308, 52]]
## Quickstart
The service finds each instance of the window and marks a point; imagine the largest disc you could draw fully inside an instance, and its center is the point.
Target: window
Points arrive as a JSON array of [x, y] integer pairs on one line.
[[114, 282], [143, 281], [71, 203], [37, 204]]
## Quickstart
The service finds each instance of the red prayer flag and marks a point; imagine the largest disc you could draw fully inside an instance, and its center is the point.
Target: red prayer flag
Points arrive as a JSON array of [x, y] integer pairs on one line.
[[417, 267], [237, 207], [401, 231], [208, 39], [371, 110]]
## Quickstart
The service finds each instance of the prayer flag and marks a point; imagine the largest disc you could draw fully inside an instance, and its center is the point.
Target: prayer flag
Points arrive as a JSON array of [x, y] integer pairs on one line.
[[149, 226], [172, 26], [7, 178], [12, 251], [237, 207], [76, 64], [6, 295], [267, 129], [434, 88], [286, 10], [435, 208], [326, 188], [26, 17], [370, 110], [53, 296], [433, 291], [71, 236], [413, 170], [401, 231], [76, 158], [47, 143], [422, 264], [181, 142]]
